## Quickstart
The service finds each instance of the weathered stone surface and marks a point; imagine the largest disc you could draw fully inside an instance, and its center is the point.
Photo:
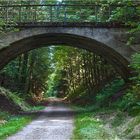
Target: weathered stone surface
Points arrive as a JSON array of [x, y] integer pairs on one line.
[[106, 42]]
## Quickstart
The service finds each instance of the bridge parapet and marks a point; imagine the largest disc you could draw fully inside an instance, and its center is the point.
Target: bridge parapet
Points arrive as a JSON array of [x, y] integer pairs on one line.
[[33, 13]]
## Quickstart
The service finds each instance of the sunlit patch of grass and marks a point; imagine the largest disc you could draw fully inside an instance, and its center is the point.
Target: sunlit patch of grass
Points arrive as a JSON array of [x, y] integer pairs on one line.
[[88, 128], [14, 124], [37, 108]]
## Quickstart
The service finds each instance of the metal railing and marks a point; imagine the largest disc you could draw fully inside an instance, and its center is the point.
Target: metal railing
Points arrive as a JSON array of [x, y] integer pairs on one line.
[[38, 14]]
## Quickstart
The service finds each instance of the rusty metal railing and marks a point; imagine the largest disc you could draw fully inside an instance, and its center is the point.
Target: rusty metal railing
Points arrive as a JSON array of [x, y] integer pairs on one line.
[[33, 13]]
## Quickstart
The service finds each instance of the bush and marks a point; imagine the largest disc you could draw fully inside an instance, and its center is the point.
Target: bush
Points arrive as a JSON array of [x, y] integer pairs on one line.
[[131, 100]]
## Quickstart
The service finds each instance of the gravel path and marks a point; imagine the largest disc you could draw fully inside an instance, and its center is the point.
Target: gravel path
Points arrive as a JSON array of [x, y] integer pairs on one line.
[[54, 123]]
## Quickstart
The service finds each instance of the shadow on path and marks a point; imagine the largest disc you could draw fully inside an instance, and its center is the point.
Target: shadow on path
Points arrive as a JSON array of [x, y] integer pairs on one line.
[[54, 122]]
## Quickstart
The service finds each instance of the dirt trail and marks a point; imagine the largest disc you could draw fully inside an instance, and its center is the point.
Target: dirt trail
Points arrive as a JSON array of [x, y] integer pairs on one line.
[[54, 123]]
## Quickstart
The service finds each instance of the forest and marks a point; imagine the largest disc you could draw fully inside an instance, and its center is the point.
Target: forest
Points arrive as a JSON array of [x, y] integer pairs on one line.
[[107, 106]]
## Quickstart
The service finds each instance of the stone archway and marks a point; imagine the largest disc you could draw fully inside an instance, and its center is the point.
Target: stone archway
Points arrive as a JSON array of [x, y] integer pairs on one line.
[[105, 42]]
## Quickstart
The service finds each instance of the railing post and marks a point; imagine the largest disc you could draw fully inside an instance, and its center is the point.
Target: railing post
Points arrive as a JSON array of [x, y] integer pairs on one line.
[[7, 15], [125, 13], [35, 14], [65, 14], [55, 13], [20, 14], [109, 12], [96, 15], [58, 11], [51, 14]]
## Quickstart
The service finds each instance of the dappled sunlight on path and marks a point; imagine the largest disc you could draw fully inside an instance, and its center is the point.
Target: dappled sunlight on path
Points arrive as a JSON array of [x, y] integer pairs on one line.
[[54, 122]]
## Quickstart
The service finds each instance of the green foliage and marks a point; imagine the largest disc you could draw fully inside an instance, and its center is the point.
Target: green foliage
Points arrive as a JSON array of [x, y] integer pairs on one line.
[[4, 115], [131, 100], [36, 108], [127, 101], [103, 98], [71, 71], [135, 64], [112, 124], [27, 74], [54, 81], [79, 92]]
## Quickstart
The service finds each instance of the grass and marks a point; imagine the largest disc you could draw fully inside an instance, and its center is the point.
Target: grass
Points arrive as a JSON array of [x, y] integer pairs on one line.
[[37, 108], [87, 124], [118, 119], [131, 126], [14, 124], [10, 124], [87, 127], [105, 124], [103, 97]]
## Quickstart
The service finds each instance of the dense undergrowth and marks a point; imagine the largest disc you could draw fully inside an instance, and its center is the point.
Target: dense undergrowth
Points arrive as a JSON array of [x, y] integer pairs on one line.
[[112, 119], [119, 95], [89, 127], [107, 120], [106, 124]]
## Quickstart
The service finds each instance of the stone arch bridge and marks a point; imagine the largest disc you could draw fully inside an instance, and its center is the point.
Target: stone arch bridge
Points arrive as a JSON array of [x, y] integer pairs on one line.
[[50, 23], [107, 42]]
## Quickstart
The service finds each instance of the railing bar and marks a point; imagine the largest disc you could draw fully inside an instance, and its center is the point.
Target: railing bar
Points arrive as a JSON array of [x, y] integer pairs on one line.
[[28, 15], [65, 1], [25, 5]]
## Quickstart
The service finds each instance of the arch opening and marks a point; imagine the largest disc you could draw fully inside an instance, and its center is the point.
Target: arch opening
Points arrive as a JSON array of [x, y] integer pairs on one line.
[[88, 72], [38, 41]]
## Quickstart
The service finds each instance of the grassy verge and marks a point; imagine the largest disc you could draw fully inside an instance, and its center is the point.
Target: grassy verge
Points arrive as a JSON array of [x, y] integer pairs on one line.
[[106, 124], [10, 124], [36, 108], [105, 119], [88, 127], [13, 124]]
